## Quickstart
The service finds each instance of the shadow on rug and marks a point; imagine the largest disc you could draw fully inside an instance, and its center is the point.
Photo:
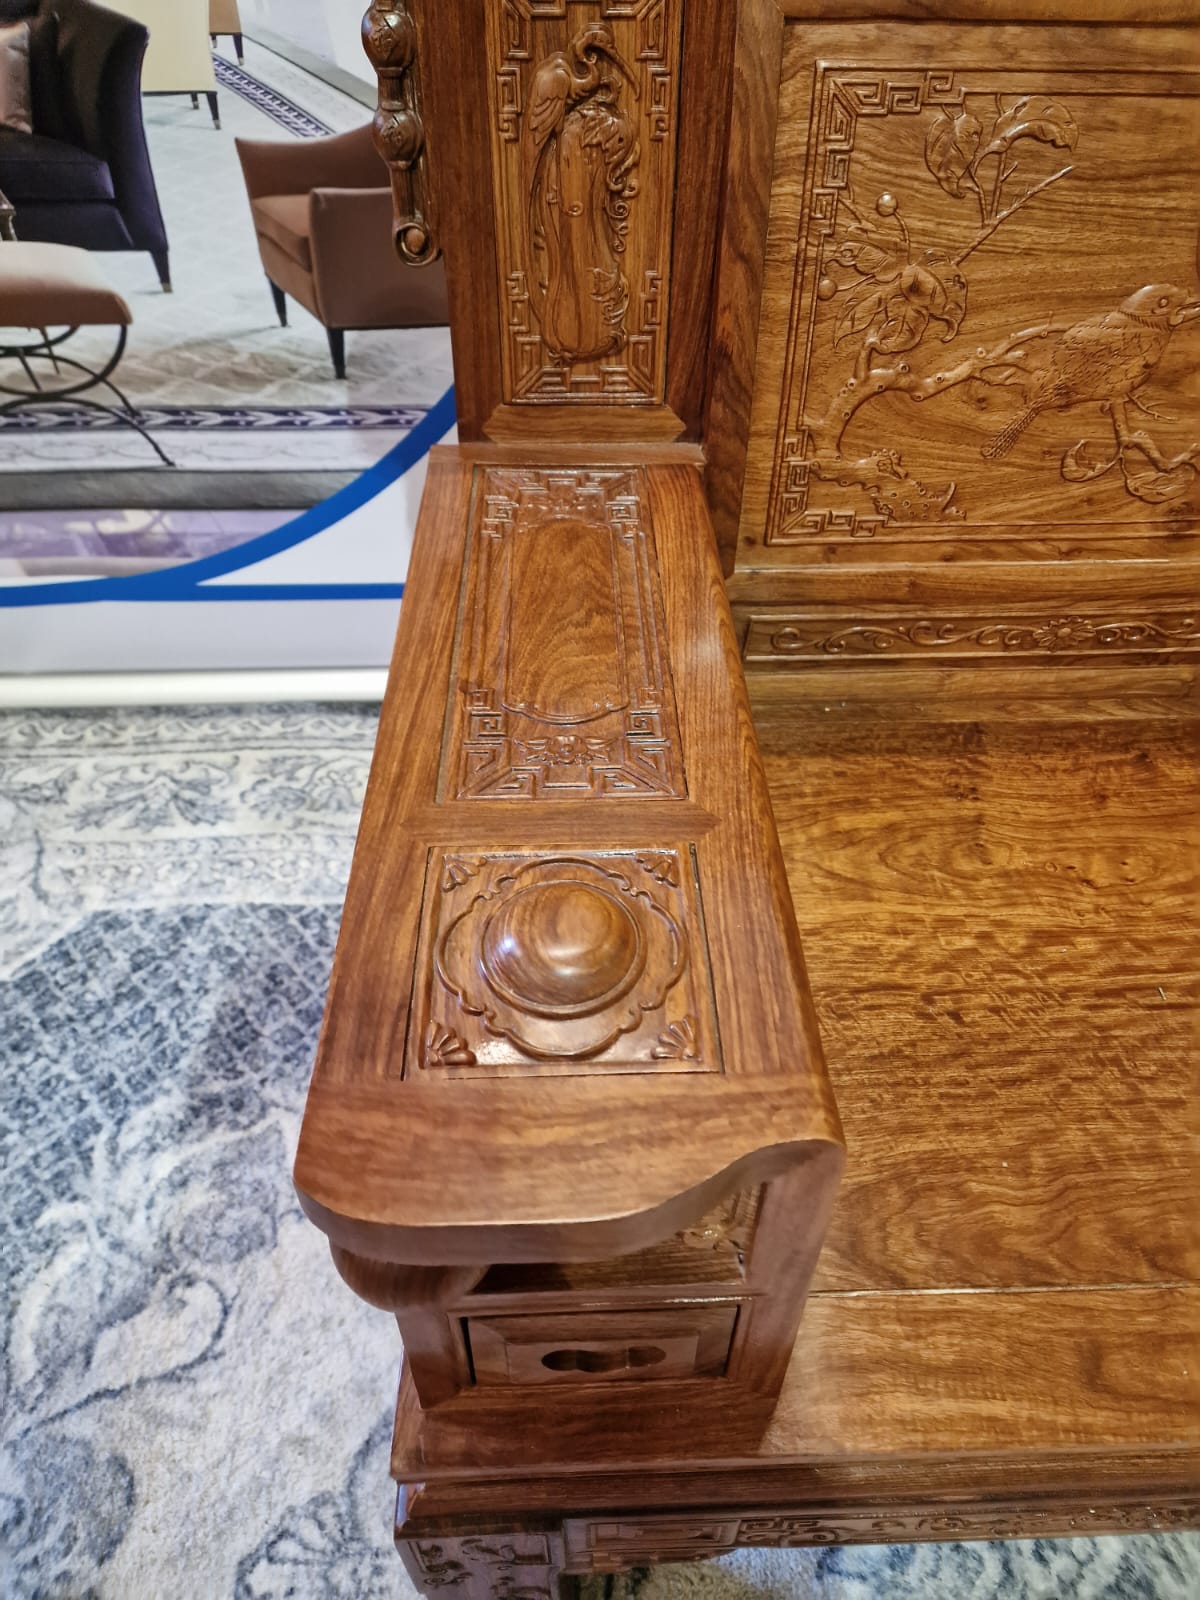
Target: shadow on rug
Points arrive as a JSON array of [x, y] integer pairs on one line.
[[193, 1405]]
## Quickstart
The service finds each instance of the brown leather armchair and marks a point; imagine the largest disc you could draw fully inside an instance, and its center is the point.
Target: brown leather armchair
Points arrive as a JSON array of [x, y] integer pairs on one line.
[[322, 212]]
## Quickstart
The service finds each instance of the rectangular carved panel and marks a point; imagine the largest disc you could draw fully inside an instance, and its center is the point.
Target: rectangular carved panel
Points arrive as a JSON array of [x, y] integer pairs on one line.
[[571, 699], [612, 1545], [981, 306], [561, 964], [583, 108]]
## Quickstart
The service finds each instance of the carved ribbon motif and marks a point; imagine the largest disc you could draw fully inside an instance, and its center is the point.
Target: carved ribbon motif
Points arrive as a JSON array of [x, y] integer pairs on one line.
[[390, 40]]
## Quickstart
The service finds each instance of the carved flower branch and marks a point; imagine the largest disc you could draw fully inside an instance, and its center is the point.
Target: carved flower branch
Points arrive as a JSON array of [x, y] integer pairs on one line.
[[896, 289]]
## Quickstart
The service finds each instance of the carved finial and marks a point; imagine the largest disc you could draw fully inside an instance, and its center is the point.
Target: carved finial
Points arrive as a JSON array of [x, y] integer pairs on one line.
[[390, 40]]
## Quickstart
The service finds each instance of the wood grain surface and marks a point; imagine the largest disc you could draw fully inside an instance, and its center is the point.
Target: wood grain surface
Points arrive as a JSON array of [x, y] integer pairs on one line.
[[485, 1091], [1007, 1325], [907, 481]]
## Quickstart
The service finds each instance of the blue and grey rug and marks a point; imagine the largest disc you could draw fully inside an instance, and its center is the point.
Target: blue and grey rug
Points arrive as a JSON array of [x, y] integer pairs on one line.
[[193, 1406]]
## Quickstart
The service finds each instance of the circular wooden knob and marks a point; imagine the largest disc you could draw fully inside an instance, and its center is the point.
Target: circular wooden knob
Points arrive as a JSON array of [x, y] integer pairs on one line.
[[561, 949]]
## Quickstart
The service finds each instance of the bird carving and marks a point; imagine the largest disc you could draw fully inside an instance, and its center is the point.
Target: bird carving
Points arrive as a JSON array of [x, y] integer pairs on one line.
[[1106, 357]]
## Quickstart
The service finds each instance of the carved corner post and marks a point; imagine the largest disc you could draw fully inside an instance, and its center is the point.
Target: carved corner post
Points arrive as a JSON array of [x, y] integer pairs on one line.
[[390, 40], [516, 1563]]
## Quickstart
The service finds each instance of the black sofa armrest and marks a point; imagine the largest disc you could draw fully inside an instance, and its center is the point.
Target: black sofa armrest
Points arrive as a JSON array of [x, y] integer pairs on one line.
[[100, 55]]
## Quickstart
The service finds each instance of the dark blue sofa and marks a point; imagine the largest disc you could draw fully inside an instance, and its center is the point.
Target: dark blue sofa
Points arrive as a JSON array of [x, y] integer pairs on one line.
[[83, 176]]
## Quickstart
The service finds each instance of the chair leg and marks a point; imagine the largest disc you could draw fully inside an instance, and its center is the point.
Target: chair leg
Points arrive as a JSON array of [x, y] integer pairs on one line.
[[195, 102], [211, 97], [162, 265], [212, 39], [280, 300], [337, 349], [239, 46]]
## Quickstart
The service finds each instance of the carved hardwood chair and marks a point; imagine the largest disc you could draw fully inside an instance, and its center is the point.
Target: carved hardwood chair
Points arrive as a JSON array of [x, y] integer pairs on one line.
[[885, 330]]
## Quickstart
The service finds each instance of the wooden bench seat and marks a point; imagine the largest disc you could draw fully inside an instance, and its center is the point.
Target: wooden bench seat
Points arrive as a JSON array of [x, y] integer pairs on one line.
[[1003, 1338]]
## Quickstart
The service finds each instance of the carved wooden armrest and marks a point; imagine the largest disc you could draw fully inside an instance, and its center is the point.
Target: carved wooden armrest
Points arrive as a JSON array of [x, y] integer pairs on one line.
[[569, 1118]]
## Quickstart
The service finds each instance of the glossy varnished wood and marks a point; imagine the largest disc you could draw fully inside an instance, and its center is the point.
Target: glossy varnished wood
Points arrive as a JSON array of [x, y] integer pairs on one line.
[[900, 523], [1005, 1339], [417, 1151], [1036, 885], [475, 104]]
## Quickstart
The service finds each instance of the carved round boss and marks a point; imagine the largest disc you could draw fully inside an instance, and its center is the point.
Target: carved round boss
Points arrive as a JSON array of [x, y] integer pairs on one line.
[[562, 956], [561, 949]]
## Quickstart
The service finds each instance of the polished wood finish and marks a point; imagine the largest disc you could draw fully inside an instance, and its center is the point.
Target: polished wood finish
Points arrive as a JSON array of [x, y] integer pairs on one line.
[[568, 1015], [924, 284], [1004, 1337], [961, 371], [390, 40], [606, 93]]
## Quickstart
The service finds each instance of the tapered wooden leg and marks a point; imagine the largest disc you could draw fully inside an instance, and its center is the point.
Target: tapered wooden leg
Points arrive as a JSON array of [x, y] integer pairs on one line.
[[337, 349], [280, 300], [239, 46], [214, 107]]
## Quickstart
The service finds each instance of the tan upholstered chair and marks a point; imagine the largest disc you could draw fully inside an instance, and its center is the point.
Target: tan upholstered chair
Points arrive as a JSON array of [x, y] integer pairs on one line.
[[178, 60], [223, 17], [322, 211]]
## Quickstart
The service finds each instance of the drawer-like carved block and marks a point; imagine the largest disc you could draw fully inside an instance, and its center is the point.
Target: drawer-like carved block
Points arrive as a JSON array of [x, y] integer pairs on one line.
[[603, 1347]]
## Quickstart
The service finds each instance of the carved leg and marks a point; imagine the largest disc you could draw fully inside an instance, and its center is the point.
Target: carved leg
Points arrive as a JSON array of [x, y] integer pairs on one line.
[[490, 1566]]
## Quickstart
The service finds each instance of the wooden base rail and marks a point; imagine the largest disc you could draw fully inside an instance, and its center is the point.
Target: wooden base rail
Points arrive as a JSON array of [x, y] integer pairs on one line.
[[570, 1121]]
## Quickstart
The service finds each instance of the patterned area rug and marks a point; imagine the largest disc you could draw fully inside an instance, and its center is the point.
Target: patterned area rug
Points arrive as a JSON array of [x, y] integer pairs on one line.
[[192, 1404]]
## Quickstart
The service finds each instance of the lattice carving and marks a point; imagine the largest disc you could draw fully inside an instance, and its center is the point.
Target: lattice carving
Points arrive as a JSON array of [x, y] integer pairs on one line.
[[563, 690]]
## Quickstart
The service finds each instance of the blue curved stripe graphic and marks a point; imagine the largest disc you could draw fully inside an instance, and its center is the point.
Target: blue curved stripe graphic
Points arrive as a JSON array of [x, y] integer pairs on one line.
[[184, 582]]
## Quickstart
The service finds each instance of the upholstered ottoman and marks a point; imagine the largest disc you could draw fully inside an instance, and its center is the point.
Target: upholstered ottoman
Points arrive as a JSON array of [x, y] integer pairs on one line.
[[44, 287]]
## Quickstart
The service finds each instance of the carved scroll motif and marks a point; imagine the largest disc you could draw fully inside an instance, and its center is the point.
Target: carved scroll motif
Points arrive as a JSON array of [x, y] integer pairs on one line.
[[563, 963], [887, 275], [584, 97], [390, 40], [813, 639]]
